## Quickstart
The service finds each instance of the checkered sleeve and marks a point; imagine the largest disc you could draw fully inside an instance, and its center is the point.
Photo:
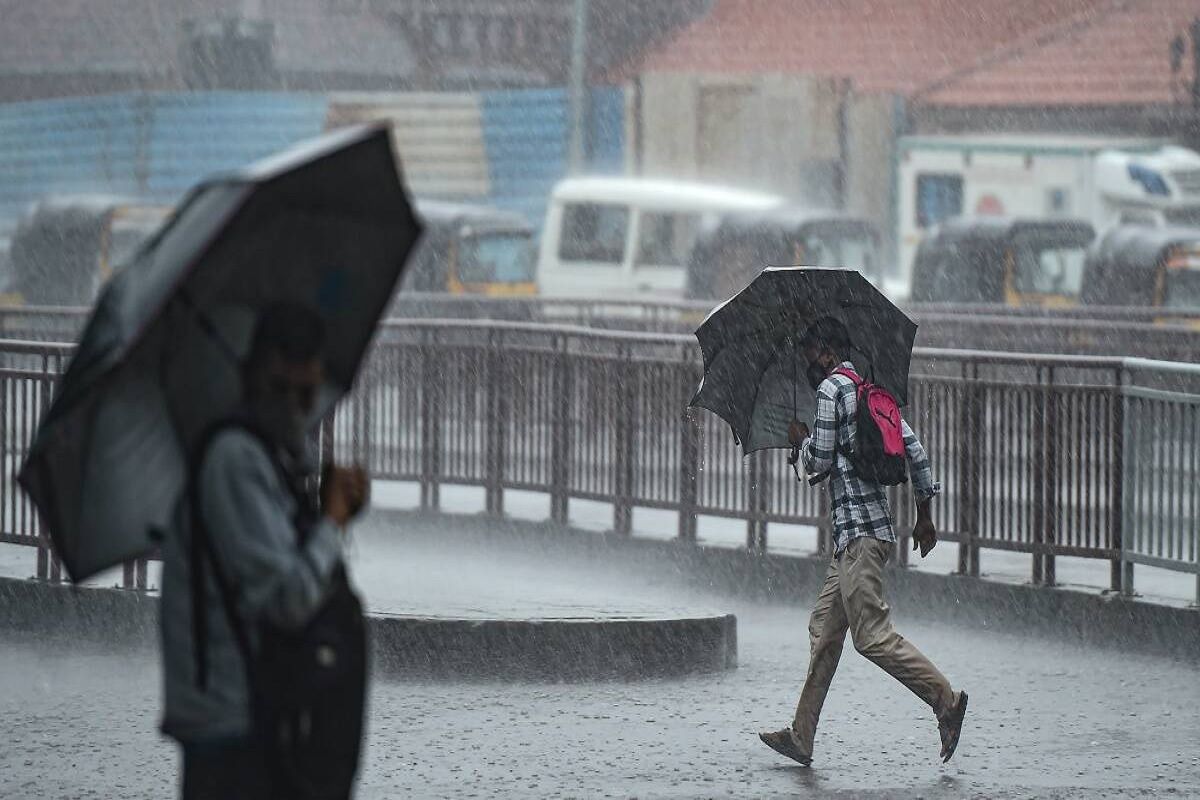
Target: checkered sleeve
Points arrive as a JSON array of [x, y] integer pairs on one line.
[[918, 465], [817, 451]]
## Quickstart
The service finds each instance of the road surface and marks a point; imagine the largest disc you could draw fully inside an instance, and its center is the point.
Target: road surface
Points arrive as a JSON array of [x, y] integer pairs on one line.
[[1046, 719]]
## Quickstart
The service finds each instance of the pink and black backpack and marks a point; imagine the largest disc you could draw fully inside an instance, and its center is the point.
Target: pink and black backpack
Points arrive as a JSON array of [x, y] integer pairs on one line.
[[879, 455]]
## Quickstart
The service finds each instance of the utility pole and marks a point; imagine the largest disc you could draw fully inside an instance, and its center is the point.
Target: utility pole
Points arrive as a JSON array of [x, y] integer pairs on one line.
[[578, 87], [1195, 64]]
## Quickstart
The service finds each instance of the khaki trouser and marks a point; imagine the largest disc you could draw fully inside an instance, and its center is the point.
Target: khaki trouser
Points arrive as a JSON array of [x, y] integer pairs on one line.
[[852, 599]]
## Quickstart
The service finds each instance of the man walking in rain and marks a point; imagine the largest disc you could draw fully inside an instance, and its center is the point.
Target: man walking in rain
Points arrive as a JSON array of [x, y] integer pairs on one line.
[[851, 598], [270, 564]]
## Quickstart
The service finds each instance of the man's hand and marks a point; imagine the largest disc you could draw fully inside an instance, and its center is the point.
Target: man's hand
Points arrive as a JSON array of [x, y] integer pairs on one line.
[[344, 492], [924, 533], [797, 433]]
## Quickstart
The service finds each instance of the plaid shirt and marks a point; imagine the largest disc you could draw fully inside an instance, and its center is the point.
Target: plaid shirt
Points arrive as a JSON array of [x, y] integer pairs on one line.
[[860, 508]]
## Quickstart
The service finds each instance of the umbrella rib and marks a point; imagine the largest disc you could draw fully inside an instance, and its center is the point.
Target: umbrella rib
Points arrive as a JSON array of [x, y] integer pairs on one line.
[[757, 389], [208, 327]]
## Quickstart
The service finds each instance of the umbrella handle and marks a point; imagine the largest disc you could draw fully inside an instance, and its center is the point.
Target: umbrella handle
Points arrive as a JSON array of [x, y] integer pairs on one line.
[[794, 460]]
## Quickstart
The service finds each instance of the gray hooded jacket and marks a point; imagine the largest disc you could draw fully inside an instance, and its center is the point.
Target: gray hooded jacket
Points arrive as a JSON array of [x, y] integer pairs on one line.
[[248, 511]]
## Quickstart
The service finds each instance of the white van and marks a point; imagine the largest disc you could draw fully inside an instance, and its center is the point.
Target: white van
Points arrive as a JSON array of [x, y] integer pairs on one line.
[[1104, 181], [629, 237]]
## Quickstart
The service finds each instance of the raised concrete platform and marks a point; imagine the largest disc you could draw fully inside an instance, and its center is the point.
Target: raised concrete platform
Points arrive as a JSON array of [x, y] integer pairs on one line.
[[453, 607]]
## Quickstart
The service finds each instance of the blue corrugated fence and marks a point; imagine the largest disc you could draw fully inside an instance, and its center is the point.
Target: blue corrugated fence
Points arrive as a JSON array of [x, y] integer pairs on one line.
[[155, 145]]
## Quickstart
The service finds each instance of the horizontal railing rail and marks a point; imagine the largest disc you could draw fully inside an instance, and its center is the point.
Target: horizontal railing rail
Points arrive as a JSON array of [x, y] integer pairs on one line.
[[1163, 334]]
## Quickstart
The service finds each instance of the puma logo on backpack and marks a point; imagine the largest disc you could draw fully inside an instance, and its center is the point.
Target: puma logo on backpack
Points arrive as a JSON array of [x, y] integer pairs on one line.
[[879, 455]]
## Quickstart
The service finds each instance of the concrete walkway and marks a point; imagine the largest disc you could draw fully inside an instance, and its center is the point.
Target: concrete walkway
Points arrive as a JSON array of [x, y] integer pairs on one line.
[[1047, 720]]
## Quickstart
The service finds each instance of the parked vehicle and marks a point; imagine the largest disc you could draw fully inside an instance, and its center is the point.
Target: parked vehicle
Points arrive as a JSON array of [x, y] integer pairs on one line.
[[6, 277], [67, 247], [472, 249], [1146, 267], [1101, 181], [1013, 262], [630, 237], [729, 253]]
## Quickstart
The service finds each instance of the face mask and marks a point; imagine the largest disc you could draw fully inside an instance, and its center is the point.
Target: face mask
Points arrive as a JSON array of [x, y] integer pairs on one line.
[[284, 427], [816, 375]]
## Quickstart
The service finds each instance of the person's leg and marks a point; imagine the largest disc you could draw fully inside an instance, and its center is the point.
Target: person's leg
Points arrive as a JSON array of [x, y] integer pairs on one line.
[[826, 635], [225, 769], [871, 628]]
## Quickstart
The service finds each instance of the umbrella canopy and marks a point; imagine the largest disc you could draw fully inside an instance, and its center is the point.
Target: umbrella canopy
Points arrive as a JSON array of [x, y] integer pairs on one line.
[[754, 367], [326, 224]]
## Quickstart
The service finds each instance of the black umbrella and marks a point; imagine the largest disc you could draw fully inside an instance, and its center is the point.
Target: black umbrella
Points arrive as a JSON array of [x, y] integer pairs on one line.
[[326, 224], [754, 367]]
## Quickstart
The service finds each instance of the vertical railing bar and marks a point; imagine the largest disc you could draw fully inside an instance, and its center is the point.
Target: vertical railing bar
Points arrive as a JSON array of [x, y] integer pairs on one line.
[[1180, 481]]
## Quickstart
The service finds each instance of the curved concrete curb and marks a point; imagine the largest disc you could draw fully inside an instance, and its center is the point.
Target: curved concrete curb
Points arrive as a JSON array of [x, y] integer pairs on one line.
[[1119, 623], [554, 649], [444, 648], [119, 616]]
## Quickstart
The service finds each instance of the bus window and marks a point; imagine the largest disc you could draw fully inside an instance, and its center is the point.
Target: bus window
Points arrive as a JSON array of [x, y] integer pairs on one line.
[[594, 232], [1182, 289], [939, 197], [735, 264], [496, 258], [954, 274], [852, 252], [665, 239], [1048, 270]]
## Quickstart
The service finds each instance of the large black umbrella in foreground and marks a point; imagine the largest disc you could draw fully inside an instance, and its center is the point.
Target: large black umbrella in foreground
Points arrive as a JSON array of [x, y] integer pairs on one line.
[[754, 368], [326, 224]]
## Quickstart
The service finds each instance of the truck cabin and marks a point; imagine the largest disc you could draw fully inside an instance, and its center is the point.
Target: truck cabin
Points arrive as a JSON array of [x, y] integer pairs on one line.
[[472, 249], [1145, 267], [66, 248], [735, 247], [1002, 260]]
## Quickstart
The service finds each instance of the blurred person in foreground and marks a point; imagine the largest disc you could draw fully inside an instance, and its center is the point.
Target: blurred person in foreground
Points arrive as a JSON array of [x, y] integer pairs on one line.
[[262, 635], [864, 540]]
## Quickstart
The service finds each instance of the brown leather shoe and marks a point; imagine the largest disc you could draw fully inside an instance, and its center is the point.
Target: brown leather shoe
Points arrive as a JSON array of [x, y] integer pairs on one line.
[[784, 743], [950, 726]]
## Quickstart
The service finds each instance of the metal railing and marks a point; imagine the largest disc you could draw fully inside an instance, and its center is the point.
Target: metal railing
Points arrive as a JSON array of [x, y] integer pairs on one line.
[[1163, 334], [1048, 455], [1031, 449], [28, 371]]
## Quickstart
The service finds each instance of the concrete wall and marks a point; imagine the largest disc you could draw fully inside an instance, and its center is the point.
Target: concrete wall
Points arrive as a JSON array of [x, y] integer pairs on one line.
[[768, 131], [872, 123], [809, 138]]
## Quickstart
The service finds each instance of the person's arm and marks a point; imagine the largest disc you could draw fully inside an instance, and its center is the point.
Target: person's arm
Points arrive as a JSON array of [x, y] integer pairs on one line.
[[816, 453], [924, 490], [255, 538]]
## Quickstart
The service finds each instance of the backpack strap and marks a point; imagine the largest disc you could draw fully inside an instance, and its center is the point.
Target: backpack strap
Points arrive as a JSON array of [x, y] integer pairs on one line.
[[204, 551], [854, 377]]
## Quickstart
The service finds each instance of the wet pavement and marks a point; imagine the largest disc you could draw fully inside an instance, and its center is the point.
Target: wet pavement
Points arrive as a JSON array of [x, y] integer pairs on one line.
[[1046, 719]]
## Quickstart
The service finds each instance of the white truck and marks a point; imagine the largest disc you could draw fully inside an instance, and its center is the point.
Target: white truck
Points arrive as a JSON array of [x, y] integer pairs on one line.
[[1104, 181]]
